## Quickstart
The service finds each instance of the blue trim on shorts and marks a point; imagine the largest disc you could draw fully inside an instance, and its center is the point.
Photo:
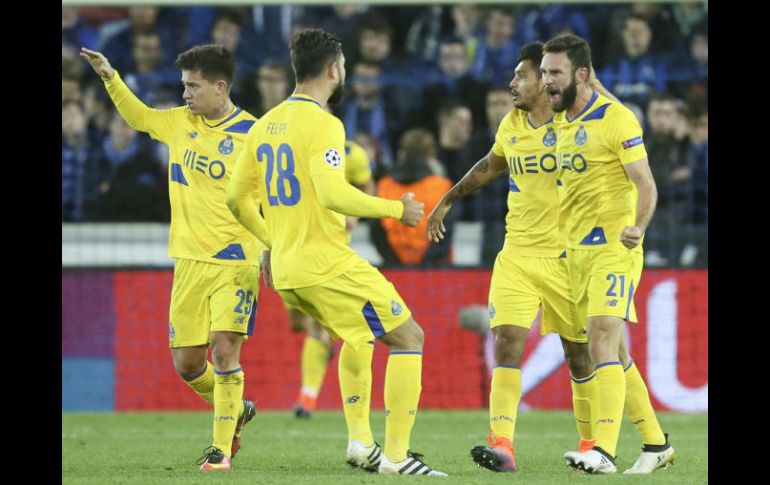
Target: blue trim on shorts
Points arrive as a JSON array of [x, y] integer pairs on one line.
[[508, 366], [370, 342], [227, 372], [205, 368], [582, 380], [252, 318], [629, 365], [413, 352], [630, 299], [610, 362], [373, 320]]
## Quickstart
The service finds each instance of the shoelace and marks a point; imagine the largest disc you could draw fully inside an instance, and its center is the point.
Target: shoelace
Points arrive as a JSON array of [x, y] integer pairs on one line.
[[208, 452], [414, 454]]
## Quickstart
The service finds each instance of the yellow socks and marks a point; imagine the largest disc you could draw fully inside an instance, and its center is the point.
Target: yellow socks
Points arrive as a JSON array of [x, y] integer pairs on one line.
[[228, 405], [639, 408], [403, 383], [203, 383], [355, 372], [315, 359], [504, 397], [584, 393], [609, 405]]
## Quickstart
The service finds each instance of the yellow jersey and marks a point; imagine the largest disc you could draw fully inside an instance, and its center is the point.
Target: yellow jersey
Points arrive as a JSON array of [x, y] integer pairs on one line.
[[202, 155], [294, 161], [598, 197], [532, 222]]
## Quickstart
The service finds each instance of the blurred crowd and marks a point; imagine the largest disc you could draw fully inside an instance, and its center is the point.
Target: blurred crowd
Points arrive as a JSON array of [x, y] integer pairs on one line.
[[426, 89]]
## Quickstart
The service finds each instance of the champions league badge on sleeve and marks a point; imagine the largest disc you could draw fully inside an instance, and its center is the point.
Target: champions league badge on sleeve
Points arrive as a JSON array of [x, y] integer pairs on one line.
[[581, 137], [226, 146], [549, 139], [333, 157]]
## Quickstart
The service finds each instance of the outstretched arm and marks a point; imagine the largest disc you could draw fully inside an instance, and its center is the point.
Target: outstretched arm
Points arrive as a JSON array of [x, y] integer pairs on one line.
[[477, 177], [138, 115]]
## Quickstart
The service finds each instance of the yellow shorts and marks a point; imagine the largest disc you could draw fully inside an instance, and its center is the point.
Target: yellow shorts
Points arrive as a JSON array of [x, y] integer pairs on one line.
[[209, 297], [604, 281], [521, 285], [356, 306]]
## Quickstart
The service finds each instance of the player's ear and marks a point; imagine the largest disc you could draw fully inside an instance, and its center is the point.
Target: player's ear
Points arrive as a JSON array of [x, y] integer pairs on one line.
[[582, 75], [332, 70]]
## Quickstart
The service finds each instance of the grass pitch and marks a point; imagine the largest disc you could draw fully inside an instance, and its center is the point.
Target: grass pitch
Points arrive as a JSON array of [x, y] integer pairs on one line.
[[276, 448]]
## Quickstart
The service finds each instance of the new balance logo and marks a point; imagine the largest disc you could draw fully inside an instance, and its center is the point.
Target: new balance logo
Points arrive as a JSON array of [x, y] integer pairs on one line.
[[352, 399]]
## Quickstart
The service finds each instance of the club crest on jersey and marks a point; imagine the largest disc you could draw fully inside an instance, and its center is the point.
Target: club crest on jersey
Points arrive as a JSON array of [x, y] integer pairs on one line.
[[333, 157], [193, 134], [581, 137], [513, 140], [549, 139], [226, 146], [491, 311], [396, 308]]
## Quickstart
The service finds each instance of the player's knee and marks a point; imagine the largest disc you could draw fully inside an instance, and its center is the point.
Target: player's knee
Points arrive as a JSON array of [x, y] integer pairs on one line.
[[407, 337], [225, 349], [317, 331], [509, 345], [188, 370], [579, 363], [297, 321]]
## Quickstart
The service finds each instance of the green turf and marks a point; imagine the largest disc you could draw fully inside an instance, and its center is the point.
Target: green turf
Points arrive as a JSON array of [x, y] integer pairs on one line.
[[161, 448]]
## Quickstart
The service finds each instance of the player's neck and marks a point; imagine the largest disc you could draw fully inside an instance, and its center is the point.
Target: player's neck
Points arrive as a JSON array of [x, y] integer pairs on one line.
[[314, 90], [584, 95], [540, 113], [223, 110]]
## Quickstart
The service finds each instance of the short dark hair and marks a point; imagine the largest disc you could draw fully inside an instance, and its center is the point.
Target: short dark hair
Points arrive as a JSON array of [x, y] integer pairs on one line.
[[213, 61], [448, 108], [663, 97], [637, 17], [451, 39], [232, 16], [312, 51], [577, 49], [532, 52], [377, 24]]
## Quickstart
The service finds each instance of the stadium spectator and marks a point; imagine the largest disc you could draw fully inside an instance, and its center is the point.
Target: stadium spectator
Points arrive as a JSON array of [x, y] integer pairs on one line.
[[74, 156], [453, 80], [467, 19], [76, 32], [403, 245], [455, 124], [146, 74], [666, 155], [369, 111], [272, 84], [636, 74], [124, 181], [497, 53], [141, 20]]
